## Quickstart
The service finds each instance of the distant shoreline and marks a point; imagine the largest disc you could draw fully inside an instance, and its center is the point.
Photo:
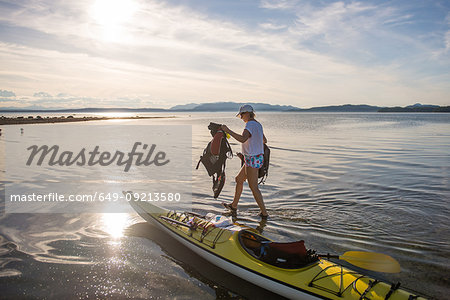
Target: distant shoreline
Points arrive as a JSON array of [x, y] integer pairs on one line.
[[234, 107], [50, 120]]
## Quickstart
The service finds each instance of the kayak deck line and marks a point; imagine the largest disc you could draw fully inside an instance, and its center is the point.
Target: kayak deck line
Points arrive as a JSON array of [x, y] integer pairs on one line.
[[224, 248], [340, 273], [196, 222]]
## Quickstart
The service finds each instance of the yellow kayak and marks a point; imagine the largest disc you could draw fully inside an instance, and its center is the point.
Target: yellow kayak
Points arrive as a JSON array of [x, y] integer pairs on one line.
[[243, 252]]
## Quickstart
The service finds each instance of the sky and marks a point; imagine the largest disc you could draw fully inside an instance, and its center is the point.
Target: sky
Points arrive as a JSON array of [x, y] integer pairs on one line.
[[145, 53]]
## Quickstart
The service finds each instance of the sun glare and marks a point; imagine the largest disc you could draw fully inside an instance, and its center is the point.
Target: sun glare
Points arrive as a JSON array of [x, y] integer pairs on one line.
[[115, 223], [113, 17]]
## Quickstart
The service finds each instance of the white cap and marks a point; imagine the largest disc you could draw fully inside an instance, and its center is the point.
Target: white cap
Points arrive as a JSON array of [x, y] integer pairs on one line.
[[245, 108]]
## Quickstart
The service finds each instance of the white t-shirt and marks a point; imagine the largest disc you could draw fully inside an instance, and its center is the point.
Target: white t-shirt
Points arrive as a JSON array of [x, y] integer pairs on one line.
[[254, 145]]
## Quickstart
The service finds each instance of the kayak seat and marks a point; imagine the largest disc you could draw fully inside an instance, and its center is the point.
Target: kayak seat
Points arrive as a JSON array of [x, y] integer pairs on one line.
[[291, 255]]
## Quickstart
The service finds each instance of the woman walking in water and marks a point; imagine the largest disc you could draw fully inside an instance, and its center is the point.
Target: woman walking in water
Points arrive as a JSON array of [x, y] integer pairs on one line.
[[253, 140]]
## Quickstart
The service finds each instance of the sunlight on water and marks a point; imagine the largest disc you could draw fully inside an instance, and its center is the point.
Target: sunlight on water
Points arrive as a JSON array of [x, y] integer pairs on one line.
[[116, 114], [115, 224]]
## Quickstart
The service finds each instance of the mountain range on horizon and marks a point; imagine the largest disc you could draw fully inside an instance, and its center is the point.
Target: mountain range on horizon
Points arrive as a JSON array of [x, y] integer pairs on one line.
[[234, 106], [231, 106]]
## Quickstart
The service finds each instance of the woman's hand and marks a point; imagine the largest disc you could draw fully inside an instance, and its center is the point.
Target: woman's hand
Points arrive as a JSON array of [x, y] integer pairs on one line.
[[240, 138]]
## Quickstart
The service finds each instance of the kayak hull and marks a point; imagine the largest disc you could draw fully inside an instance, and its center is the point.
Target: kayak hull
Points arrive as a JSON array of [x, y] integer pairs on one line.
[[239, 271], [321, 280]]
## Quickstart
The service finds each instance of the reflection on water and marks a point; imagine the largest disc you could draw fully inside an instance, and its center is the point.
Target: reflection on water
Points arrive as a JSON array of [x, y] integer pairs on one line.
[[222, 284], [115, 223], [116, 114], [369, 182]]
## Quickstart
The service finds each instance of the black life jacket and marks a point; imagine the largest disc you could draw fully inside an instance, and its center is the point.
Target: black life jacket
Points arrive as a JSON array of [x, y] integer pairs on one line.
[[214, 157], [263, 172]]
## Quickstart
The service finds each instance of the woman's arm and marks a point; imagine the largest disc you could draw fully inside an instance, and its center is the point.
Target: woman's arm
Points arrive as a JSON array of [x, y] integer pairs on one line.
[[239, 137], [264, 139]]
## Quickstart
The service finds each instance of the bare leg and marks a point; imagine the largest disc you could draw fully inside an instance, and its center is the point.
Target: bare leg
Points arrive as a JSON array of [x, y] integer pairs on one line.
[[240, 179], [252, 177]]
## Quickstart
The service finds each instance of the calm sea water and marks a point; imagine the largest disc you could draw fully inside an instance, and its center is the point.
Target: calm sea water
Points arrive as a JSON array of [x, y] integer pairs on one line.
[[371, 182]]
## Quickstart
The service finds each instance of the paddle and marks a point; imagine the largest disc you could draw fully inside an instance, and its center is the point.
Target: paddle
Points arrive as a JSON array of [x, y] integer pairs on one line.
[[369, 260]]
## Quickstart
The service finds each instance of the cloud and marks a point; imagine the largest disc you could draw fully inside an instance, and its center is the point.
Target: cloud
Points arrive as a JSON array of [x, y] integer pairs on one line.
[[7, 100], [272, 26], [77, 101], [287, 51], [278, 4], [42, 94], [5, 93], [447, 42], [447, 34], [340, 24]]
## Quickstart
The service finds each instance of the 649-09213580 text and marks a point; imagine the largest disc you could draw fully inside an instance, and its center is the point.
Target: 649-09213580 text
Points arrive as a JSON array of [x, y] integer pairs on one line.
[[101, 197]]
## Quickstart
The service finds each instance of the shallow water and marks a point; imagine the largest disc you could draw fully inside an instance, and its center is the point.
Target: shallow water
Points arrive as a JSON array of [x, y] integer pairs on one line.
[[371, 182]]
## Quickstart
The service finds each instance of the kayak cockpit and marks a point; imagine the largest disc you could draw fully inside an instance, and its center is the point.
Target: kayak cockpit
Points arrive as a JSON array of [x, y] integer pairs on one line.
[[291, 255]]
